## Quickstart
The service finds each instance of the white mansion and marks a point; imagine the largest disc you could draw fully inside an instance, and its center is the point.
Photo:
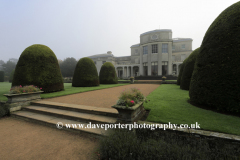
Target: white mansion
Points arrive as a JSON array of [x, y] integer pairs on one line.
[[156, 54]]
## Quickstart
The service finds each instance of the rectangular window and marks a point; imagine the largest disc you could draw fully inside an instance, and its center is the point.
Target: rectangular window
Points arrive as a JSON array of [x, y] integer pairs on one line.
[[173, 48], [154, 68], [154, 48], [95, 62], [183, 46], [164, 68], [145, 69], [164, 48], [103, 62], [145, 50]]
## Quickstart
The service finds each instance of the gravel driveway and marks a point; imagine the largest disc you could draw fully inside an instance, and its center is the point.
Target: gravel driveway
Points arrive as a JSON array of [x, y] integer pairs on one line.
[[102, 98]]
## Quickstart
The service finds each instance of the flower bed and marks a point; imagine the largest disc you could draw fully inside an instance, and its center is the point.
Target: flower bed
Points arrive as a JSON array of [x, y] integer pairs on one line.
[[130, 105], [26, 93]]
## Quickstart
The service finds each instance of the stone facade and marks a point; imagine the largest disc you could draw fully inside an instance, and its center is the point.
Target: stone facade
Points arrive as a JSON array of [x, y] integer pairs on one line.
[[157, 54]]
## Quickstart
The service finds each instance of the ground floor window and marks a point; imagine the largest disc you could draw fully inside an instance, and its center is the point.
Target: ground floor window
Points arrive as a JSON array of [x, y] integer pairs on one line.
[[164, 68], [135, 71], [154, 68], [145, 69], [174, 69]]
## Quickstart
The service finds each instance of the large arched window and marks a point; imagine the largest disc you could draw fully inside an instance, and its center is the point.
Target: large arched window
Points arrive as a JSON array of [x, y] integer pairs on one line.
[[145, 69], [154, 68], [164, 68]]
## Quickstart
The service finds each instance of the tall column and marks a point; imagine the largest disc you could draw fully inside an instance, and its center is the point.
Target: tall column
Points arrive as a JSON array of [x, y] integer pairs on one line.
[[127, 71], [160, 59], [123, 72], [177, 69], [170, 58], [149, 60], [131, 71], [141, 61]]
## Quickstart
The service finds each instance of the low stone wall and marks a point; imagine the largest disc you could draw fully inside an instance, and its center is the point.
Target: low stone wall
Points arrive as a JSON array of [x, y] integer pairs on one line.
[[169, 82], [197, 133], [12, 107], [129, 114], [148, 82], [123, 81], [169, 77]]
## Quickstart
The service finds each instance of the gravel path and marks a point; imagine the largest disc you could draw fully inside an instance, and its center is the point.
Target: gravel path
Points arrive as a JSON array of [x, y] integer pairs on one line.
[[102, 98], [25, 140], [22, 140]]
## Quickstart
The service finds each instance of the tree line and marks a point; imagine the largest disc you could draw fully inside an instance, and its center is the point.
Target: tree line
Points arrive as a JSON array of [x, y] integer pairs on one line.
[[67, 67]]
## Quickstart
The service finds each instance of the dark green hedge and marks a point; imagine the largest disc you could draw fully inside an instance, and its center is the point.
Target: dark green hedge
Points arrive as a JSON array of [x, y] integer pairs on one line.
[[11, 76], [1, 76], [188, 70], [38, 66], [85, 74], [108, 74], [216, 77]]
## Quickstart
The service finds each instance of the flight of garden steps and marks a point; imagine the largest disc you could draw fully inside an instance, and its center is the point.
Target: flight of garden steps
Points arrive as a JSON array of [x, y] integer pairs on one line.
[[50, 113]]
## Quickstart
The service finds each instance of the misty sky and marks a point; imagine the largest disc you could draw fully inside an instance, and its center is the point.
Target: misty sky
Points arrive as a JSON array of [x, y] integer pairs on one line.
[[81, 28]]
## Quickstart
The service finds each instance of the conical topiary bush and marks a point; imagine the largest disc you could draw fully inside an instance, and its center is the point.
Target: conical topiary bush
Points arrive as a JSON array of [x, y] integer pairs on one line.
[[108, 74], [11, 76], [85, 74], [216, 76], [38, 66], [180, 73]]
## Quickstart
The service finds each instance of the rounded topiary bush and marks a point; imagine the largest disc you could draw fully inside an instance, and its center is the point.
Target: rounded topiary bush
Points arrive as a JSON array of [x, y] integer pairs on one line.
[[85, 74], [1, 76], [216, 76], [108, 74], [180, 73], [188, 70], [38, 66]]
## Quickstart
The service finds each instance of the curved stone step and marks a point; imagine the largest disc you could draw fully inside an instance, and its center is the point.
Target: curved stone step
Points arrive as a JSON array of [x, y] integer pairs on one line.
[[52, 121], [78, 108], [71, 115]]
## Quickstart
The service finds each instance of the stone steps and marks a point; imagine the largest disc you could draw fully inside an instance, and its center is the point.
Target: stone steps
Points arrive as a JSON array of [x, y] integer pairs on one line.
[[51, 113], [110, 112], [71, 115]]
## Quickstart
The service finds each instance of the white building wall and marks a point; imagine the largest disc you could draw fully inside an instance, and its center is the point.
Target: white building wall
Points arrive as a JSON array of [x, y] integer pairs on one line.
[[148, 39]]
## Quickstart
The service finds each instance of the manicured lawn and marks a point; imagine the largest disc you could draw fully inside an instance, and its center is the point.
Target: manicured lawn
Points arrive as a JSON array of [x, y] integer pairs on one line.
[[4, 88], [68, 89], [168, 103], [171, 80]]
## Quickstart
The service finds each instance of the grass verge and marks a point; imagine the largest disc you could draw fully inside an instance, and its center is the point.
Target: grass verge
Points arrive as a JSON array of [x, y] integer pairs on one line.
[[168, 103]]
